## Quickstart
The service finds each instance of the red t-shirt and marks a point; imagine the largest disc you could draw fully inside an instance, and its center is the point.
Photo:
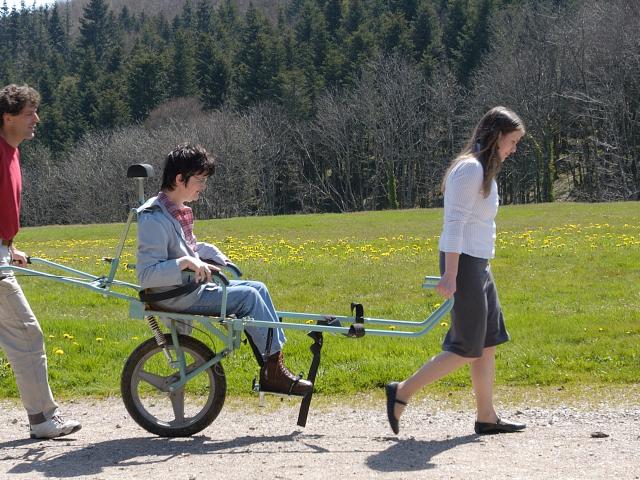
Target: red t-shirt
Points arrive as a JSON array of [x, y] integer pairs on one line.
[[10, 190]]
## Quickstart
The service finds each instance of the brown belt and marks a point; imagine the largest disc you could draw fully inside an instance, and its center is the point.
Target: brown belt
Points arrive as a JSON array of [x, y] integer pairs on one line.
[[7, 243]]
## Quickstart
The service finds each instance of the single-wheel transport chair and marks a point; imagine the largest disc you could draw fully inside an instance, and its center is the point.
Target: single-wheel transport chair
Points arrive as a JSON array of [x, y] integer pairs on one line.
[[174, 385]]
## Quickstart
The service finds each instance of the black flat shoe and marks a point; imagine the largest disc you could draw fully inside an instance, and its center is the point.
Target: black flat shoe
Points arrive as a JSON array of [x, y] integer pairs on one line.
[[391, 390], [501, 426]]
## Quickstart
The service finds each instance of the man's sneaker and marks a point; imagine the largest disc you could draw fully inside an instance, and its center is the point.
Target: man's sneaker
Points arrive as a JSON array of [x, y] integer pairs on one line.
[[56, 426]]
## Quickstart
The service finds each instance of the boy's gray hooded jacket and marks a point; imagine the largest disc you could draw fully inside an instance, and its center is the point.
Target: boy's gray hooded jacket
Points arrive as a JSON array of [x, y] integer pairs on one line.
[[161, 243]]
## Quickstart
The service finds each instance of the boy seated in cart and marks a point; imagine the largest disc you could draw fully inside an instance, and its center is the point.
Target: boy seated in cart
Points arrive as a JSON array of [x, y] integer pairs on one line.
[[167, 246]]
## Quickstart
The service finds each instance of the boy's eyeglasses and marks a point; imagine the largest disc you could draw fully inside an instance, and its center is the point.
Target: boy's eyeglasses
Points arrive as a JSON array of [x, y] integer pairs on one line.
[[201, 180]]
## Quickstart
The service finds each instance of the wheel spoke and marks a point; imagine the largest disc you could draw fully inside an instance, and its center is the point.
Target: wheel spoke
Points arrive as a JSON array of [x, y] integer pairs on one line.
[[177, 403], [154, 380]]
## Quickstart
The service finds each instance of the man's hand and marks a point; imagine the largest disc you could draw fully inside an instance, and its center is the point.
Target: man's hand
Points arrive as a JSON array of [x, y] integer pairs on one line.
[[18, 258]]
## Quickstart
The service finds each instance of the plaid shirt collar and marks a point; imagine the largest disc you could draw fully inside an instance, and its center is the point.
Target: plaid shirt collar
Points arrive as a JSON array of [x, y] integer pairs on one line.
[[183, 215]]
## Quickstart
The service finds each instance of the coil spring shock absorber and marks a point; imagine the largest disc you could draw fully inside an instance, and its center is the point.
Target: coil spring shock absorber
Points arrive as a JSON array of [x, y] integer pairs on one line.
[[157, 333]]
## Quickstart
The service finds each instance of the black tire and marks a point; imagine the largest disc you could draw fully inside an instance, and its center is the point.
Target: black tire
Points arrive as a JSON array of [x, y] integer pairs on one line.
[[148, 400]]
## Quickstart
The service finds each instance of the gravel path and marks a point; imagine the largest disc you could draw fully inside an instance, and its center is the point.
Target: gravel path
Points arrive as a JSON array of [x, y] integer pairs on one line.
[[339, 442]]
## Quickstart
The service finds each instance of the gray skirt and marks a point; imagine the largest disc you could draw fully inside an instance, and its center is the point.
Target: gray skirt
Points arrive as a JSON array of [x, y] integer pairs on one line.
[[476, 317]]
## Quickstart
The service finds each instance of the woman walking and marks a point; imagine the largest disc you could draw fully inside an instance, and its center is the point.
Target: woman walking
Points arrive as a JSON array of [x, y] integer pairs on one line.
[[466, 245]]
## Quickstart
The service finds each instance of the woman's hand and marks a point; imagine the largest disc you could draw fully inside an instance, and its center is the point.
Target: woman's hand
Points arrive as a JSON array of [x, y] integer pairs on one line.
[[447, 285]]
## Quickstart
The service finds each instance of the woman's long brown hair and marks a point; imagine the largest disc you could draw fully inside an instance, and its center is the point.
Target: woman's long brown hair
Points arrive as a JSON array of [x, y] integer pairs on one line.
[[483, 143]]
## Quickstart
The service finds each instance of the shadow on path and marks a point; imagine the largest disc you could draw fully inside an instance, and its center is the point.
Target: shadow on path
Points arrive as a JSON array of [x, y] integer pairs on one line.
[[405, 455], [94, 458], [412, 455]]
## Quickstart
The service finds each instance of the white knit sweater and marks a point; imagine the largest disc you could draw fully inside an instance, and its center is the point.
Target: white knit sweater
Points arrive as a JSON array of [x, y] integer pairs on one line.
[[469, 225]]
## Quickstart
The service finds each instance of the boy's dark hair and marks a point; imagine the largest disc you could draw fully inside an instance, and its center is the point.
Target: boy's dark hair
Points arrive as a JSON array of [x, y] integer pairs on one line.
[[188, 160], [13, 98]]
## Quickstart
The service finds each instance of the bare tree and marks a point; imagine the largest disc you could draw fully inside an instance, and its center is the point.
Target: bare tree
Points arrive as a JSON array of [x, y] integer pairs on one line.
[[524, 73], [572, 74]]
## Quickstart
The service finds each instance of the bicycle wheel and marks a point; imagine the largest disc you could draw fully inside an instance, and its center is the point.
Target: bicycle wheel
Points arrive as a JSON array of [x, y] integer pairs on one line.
[[145, 382]]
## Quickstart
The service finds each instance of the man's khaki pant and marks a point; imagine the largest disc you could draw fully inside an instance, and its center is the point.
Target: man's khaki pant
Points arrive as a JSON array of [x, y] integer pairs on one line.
[[22, 341]]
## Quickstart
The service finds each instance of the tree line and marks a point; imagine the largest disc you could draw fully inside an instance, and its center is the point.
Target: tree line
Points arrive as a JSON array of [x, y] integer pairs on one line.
[[334, 106]]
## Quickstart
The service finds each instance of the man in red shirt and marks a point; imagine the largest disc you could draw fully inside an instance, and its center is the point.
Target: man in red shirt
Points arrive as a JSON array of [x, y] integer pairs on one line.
[[21, 337]]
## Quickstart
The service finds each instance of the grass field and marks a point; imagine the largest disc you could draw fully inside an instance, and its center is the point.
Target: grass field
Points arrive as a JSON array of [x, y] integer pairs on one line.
[[568, 276]]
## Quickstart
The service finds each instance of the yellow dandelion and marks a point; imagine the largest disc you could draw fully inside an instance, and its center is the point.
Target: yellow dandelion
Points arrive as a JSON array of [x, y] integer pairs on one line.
[[392, 327], [59, 351], [309, 322], [52, 336], [134, 338], [68, 337], [444, 324], [99, 339]]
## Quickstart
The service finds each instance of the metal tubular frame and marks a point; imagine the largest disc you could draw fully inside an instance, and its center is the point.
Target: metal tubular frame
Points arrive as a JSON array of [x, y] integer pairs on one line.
[[227, 329]]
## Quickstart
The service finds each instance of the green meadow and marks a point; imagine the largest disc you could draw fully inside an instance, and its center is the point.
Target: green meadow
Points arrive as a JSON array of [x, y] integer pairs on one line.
[[568, 276]]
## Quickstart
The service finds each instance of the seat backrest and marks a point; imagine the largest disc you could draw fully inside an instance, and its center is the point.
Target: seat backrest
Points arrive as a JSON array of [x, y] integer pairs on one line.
[[140, 170]]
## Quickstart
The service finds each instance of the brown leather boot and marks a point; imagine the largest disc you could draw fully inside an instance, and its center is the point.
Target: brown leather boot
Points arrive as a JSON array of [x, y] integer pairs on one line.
[[276, 378]]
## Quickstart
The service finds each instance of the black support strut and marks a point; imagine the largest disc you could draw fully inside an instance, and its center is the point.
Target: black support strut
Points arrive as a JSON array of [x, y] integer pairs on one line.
[[316, 350]]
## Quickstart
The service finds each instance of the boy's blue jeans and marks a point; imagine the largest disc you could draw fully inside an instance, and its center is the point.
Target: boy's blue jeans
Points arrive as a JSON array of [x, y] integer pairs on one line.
[[245, 298]]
